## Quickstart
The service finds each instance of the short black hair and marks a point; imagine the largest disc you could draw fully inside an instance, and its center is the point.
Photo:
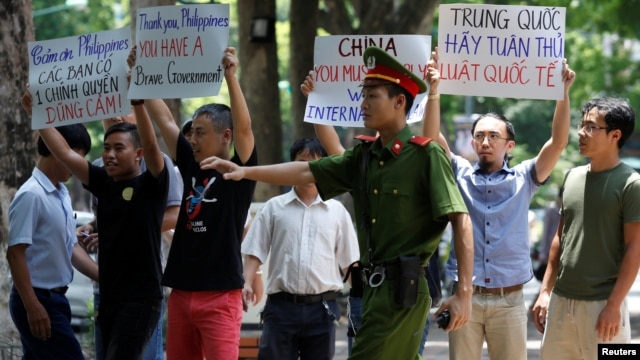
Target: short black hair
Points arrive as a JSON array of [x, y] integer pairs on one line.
[[125, 127], [76, 136], [618, 115], [395, 90], [186, 127], [511, 131], [219, 114], [310, 145]]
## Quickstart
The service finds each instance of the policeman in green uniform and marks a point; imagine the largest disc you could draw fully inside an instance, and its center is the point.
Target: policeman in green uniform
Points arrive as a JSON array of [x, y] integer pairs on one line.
[[404, 195]]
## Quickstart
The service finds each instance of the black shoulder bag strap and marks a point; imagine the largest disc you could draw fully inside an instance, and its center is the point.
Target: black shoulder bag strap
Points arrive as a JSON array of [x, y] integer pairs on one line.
[[366, 217]]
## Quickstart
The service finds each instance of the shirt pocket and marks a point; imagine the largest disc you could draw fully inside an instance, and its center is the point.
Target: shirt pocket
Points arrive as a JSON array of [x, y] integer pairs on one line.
[[395, 199]]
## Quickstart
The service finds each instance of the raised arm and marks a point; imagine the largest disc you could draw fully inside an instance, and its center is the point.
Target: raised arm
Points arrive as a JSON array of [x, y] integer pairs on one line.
[[72, 160], [290, 173], [58, 146], [550, 152], [150, 148], [160, 114], [326, 134], [431, 119], [242, 133]]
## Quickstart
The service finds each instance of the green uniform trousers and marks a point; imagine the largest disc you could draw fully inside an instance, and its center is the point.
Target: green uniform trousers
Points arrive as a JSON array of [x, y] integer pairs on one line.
[[389, 331]]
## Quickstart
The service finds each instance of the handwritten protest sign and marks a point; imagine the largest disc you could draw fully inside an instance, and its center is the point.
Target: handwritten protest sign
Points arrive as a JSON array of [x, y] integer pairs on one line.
[[340, 70], [501, 50], [79, 78], [179, 51]]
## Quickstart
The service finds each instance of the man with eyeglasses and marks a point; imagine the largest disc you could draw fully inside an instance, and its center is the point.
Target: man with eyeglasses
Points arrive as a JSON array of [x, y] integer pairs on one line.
[[595, 255], [498, 198]]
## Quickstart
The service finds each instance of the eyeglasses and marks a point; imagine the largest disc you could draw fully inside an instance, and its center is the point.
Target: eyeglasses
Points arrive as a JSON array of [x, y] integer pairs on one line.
[[588, 128], [493, 138]]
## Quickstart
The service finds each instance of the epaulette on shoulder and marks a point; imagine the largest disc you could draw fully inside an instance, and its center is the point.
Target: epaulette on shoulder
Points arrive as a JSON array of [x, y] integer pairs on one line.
[[420, 140], [365, 138]]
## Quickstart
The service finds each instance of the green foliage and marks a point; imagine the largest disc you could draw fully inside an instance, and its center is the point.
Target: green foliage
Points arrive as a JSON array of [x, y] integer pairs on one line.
[[97, 15]]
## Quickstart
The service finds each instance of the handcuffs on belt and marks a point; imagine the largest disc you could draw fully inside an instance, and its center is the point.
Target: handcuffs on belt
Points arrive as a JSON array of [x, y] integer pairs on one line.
[[376, 278]]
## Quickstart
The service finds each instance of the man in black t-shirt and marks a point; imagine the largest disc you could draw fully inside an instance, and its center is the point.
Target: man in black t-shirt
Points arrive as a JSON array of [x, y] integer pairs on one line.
[[131, 206], [204, 268]]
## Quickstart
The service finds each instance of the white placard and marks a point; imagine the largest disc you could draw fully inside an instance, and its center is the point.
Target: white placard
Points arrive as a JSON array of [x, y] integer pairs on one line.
[[501, 50], [179, 51], [79, 78], [339, 70]]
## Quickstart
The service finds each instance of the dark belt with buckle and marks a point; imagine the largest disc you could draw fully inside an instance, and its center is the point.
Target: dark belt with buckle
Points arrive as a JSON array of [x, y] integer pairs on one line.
[[304, 299], [491, 291], [496, 291]]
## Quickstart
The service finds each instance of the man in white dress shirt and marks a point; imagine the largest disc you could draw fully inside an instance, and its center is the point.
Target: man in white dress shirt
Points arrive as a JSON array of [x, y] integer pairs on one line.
[[311, 241]]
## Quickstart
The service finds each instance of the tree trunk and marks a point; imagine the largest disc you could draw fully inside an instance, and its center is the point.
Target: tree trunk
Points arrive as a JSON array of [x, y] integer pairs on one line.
[[304, 25], [259, 82], [17, 145]]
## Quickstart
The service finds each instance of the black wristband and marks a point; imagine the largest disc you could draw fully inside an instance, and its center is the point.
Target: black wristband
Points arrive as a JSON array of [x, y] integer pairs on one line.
[[137, 102]]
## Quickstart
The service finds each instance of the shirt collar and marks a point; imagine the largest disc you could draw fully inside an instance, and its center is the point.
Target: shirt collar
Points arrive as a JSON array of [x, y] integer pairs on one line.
[[395, 146], [505, 168], [46, 183], [292, 196]]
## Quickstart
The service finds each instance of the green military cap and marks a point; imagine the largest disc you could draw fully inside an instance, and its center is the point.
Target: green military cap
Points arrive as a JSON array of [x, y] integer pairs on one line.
[[381, 65]]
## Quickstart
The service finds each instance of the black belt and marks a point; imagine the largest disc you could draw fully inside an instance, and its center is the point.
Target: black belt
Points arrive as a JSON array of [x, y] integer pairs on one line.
[[391, 272], [59, 290], [304, 299]]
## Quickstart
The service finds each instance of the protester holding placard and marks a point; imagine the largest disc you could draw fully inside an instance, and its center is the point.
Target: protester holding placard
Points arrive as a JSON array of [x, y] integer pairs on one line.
[[89, 238], [204, 268], [131, 205], [41, 250], [404, 194], [595, 254], [498, 198]]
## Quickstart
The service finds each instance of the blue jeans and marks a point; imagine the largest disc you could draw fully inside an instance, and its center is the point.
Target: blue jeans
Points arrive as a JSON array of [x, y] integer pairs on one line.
[[291, 330], [425, 333], [354, 318], [62, 344], [155, 347]]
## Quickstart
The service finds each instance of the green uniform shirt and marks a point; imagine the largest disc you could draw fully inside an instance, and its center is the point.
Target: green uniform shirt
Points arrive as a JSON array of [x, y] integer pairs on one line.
[[410, 190]]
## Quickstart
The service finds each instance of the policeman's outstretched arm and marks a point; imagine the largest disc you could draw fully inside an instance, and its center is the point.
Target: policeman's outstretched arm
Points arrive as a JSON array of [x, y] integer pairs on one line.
[[290, 173]]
